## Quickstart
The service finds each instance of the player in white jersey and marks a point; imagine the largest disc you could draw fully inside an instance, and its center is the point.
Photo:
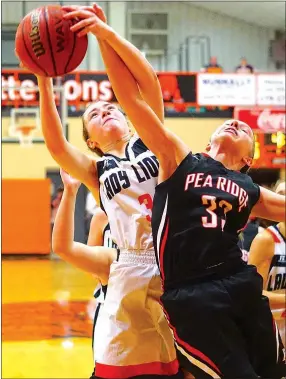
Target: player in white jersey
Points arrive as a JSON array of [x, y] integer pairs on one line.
[[134, 335], [267, 252], [101, 289], [90, 258]]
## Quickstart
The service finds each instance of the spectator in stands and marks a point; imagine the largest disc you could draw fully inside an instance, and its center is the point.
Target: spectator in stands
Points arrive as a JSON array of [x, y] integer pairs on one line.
[[244, 67], [213, 67]]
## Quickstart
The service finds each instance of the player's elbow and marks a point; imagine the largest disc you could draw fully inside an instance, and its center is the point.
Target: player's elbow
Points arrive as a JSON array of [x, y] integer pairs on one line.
[[61, 247], [56, 147]]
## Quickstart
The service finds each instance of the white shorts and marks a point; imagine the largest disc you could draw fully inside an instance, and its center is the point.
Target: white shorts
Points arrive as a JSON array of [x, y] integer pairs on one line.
[[132, 336]]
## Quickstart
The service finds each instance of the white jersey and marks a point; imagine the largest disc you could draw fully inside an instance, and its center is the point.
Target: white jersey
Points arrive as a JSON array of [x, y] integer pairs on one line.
[[127, 187], [276, 281], [99, 292], [132, 334]]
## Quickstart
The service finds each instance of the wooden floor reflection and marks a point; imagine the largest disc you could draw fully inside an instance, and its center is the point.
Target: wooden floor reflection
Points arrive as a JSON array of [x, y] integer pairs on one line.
[[47, 311]]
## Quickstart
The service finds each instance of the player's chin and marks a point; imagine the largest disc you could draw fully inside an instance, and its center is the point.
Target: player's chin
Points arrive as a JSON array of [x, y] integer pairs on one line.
[[115, 132], [230, 135], [228, 138]]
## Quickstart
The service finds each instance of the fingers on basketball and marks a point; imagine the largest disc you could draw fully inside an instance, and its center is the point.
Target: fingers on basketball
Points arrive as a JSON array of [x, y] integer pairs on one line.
[[99, 12]]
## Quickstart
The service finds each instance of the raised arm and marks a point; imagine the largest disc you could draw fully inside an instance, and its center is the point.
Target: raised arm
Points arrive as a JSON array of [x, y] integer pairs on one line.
[[168, 148], [96, 259], [260, 255], [270, 206], [141, 70], [78, 164]]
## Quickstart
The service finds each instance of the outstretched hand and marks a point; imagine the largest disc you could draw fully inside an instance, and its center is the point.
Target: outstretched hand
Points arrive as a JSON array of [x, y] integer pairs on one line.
[[69, 182], [90, 21], [96, 9]]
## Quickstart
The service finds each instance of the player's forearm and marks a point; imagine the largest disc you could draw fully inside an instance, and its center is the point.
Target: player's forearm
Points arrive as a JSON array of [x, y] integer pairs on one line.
[[63, 232], [123, 83], [276, 300], [270, 206], [139, 67], [50, 120], [141, 70]]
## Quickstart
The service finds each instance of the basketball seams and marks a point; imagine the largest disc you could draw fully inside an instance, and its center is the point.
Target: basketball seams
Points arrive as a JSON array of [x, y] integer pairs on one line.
[[46, 45], [72, 52], [28, 51], [49, 40]]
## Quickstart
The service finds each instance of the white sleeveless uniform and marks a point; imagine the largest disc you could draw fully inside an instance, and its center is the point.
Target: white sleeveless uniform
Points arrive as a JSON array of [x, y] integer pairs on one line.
[[132, 336], [276, 280], [99, 292]]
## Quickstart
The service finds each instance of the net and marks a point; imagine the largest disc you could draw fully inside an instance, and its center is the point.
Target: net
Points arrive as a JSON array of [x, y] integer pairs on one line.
[[18, 112], [25, 134]]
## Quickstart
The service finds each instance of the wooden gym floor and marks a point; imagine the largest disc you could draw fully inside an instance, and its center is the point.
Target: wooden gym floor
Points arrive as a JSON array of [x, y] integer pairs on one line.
[[47, 306]]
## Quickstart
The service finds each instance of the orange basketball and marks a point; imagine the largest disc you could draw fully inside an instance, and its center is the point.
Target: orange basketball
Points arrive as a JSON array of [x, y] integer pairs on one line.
[[45, 44]]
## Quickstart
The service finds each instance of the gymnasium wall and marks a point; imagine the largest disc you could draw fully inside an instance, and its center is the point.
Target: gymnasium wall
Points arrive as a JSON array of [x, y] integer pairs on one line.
[[230, 38], [18, 162]]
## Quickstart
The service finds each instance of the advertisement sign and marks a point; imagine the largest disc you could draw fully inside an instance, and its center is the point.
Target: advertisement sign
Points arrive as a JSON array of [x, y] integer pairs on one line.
[[266, 120], [17, 88], [181, 91], [81, 87], [226, 89], [271, 89]]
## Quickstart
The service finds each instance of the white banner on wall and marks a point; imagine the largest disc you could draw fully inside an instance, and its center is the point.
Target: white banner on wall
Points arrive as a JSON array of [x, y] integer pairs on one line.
[[226, 89], [271, 89]]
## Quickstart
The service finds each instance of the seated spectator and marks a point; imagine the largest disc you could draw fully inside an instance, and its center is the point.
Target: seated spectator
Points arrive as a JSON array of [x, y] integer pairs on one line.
[[244, 67], [213, 67]]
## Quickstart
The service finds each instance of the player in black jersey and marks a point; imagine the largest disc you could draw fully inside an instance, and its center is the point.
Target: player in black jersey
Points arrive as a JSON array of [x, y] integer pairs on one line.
[[222, 324]]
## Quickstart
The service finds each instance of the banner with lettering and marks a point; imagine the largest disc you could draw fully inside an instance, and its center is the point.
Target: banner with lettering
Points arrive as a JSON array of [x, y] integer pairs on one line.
[[226, 89], [181, 91], [80, 87], [271, 89]]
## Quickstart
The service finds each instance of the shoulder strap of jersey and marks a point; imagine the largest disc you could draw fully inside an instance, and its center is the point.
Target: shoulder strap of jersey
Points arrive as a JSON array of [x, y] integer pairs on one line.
[[135, 147], [275, 234], [283, 239]]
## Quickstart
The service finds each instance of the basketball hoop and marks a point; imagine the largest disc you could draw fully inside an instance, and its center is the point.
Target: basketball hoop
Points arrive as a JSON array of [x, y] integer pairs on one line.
[[25, 134]]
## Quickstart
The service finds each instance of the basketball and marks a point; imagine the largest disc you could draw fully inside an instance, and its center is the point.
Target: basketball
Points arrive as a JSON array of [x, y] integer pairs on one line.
[[45, 45]]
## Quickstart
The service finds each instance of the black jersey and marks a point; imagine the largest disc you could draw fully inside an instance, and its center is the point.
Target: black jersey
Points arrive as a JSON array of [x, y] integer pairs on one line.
[[197, 215]]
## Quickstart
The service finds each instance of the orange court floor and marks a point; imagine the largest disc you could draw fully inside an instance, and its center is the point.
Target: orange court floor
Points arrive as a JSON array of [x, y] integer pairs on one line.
[[47, 311]]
